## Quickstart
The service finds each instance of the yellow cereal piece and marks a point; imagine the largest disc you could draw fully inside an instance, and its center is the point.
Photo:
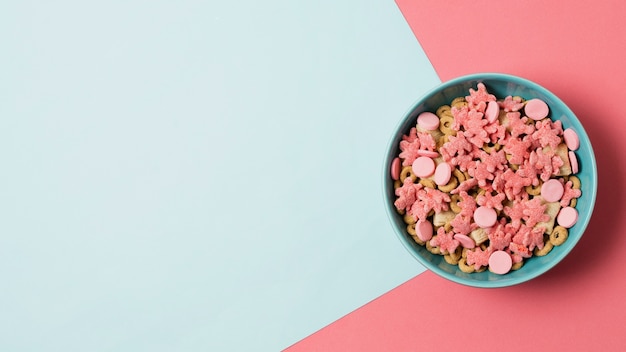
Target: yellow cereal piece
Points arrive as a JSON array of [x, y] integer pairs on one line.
[[409, 219], [407, 171], [458, 102], [558, 235], [547, 247], [443, 110], [534, 190], [426, 182], [575, 182], [517, 265], [454, 203], [445, 125], [450, 260], [431, 249], [460, 176], [464, 267], [448, 187]]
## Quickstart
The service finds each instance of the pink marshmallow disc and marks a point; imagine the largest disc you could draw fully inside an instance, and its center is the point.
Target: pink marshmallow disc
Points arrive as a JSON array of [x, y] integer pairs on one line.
[[443, 172], [465, 241], [492, 111], [485, 217], [395, 169], [573, 161], [500, 262], [567, 217], [428, 121], [536, 109], [424, 230], [571, 139], [428, 153], [552, 190], [423, 166]]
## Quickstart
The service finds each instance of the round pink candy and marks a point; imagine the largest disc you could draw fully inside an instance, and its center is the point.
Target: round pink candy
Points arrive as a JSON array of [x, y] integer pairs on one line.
[[395, 169], [571, 139], [424, 230], [536, 109], [443, 172], [423, 166], [428, 153], [465, 241], [573, 161], [492, 111], [428, 121], [552, 190], [567, 217], [500, 262], [485, 217]]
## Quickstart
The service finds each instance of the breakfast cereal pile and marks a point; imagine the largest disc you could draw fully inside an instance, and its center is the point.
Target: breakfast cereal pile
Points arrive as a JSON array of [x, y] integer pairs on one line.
[[488, 182]]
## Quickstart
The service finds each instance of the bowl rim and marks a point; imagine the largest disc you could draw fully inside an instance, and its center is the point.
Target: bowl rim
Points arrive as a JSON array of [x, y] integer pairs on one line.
[[390, 209]]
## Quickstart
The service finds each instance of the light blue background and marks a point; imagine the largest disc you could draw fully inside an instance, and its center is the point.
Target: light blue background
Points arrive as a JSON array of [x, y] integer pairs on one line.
[[196, 176]]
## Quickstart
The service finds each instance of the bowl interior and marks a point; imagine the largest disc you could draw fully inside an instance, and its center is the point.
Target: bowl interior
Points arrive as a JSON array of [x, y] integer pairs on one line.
[[500, 85]]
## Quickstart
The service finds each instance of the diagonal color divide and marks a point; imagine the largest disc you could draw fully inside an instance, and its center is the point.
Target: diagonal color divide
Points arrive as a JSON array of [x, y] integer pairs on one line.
[[575, 50]]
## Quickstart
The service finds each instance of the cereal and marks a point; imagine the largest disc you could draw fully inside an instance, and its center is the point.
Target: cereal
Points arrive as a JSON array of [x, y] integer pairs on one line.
[[488, 183], [558, 235], [407, 171]]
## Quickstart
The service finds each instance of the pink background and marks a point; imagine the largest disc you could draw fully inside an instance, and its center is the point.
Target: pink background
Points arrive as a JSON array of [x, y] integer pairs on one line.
[[577, 51]]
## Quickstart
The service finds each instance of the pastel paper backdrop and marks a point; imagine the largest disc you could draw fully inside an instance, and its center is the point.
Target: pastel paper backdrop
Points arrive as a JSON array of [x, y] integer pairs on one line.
[[576, 50], [196, 175]]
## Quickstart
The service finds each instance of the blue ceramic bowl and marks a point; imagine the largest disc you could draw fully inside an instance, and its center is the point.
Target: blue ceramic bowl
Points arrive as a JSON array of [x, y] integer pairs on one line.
[[501, 85]]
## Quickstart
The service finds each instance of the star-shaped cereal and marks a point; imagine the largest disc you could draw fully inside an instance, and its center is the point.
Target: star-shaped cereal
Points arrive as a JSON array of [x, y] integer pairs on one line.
[[445, 241]]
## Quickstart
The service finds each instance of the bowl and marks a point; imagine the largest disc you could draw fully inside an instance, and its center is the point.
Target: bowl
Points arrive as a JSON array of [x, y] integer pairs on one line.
[[500, 85]]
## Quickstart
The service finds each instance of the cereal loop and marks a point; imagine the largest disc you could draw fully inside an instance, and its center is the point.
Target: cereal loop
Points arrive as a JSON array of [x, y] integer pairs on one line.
[[575, 182], [397, 184], [409, 219], [464, 267], [460, 176], [444, 110], [448, 187], [431, 249], [547, 247], [450, 260], [446, 124], [558, 235], [517, 265], [426, 182], [454, 203], [407, 171], [458, 102], [534, 190]]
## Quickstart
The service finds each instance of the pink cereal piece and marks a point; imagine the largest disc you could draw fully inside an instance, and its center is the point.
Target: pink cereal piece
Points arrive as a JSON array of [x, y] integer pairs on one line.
[[492, 112], [395, 169], [552, 190], [573, 161], [428, 153], [428, 121], [443, 172], [485, 217], [423, 166], [500, 262], [536, 109], [571, 139], [465, 241], [424, 230], [567, 217]]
